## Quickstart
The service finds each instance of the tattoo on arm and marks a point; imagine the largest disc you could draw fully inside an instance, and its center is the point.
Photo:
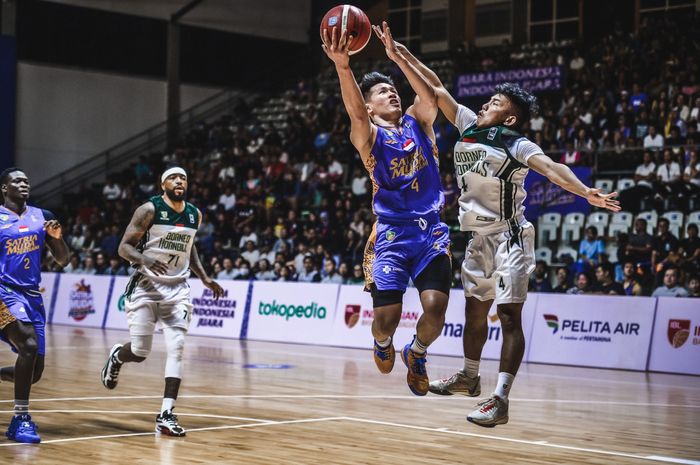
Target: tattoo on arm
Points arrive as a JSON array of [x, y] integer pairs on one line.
[[140, 222]]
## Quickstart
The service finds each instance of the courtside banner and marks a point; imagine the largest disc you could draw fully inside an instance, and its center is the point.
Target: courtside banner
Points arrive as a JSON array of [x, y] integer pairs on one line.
[[590, 330], [292, 312], [81, 300], [675, 347], [355, 313], [46, 287], [116, 315], [221, 317], [450, 341]]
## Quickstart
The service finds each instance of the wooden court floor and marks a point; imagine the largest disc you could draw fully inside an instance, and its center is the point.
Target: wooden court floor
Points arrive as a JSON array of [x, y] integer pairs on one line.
[[330, 406]]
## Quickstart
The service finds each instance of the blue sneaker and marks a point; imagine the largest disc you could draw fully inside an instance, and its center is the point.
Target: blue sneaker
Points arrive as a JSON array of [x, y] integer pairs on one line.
[[23, 429], [417, 376]]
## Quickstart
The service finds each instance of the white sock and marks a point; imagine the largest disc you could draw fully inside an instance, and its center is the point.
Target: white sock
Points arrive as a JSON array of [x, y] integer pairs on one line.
[[471, 367], [505, 381], [168, 404], [385, 343], [418, 347]]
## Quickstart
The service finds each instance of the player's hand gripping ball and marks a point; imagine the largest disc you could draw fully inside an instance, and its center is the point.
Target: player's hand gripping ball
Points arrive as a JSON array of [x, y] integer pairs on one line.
[[351, 19]]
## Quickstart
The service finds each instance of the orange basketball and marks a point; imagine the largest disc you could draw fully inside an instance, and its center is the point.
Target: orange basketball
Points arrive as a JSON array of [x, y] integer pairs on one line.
[[351, 19]]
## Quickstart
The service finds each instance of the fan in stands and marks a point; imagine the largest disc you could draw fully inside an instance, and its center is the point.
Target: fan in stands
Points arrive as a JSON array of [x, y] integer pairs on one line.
[[353, 21]]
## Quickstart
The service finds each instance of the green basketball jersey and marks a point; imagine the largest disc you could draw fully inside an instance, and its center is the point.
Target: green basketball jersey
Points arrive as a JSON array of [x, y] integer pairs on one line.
[[170, 239]]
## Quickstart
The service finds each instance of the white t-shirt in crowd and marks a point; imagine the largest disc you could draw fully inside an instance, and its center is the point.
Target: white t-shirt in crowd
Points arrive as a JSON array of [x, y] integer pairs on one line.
[[645, 170], [667, 172], [651, 142], [694, 181]]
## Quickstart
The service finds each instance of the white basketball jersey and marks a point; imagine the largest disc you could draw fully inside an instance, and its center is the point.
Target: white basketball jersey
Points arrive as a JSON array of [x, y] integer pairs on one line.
[[490, 168], [170, 239]]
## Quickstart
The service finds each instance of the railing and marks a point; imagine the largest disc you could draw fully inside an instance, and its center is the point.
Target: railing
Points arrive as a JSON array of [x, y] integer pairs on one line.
[[121, 155]]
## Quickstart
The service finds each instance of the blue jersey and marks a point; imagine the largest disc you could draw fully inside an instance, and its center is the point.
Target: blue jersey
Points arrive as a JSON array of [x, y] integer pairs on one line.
[[21, 245], [403, 166]]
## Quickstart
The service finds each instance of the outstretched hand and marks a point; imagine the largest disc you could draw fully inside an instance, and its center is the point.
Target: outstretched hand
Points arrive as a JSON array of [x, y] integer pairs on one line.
[[336, 47], [596, 198], [390, 45]]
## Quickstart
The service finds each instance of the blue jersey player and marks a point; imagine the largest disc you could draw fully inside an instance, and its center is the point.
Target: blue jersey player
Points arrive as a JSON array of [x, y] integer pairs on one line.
[[24, 230], [409, 240]]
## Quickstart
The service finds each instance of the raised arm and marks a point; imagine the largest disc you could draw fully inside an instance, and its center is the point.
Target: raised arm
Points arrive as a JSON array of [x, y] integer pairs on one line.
[[425, 107], [198, 269], [140, 222], [562, 176], [362, 131], [447, 104]]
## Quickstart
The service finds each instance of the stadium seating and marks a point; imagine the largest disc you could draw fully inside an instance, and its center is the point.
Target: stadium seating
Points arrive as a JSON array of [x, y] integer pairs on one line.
[[571, 229]]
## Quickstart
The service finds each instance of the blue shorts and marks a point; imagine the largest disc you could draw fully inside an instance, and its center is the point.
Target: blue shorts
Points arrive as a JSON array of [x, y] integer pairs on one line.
[[23, 305], [403, 251]]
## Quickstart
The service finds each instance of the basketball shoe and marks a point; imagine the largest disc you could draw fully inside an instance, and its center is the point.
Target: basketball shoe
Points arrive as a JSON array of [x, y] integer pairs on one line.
[[459, 383], [384, 357], [23, 429], [110, 372], [417, 376], [490, 412], [166, 423]]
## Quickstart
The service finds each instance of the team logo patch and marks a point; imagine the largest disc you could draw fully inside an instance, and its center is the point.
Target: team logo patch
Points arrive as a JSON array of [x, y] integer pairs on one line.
[[386, 269], [4, 217], [163, 215], [191, 218], [391, 142], [492, 133], [409, 145], [678, 332], [390, 235]]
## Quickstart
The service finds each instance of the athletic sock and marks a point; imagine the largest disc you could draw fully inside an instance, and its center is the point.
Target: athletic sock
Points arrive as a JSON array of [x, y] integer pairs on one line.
[[21, 407], [385, 343], [167, 405], [505, 381], [471, 367], [418, 347]]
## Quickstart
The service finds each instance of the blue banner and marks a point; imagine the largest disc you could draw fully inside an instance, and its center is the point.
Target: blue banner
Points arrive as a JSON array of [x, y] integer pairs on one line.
[[550, 78], [545, 197], [8, 78]]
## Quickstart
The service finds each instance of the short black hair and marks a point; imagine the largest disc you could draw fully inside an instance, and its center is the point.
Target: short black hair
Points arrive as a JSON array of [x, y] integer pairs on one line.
[[524, 102], [5, 175], [607, 268], [370, 80]]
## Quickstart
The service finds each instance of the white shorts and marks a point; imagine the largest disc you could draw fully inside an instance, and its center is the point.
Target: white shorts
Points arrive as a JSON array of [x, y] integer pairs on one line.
[[498, 266], [149, 302]]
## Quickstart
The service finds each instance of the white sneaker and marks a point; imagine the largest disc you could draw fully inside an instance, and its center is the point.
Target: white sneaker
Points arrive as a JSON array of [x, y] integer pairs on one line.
[[166, 423], [459, 383], [110, 372], [490, 412]]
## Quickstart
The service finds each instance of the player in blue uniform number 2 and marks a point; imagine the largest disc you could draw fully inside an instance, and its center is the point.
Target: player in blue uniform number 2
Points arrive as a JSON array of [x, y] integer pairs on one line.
[[24, 230], [409, 240]]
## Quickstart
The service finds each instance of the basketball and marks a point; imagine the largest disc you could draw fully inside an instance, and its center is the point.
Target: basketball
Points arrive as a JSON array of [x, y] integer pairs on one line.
[[350, 19]]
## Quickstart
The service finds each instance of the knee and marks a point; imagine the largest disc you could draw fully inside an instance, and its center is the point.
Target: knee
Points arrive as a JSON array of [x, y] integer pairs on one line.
[[176, 345], [141, 347], [510, 321], [28, 348]]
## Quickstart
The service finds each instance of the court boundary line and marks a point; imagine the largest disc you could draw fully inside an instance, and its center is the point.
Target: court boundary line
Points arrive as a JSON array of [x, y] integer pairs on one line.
[[261, 422], [658, 458], [153, 433], [366, 397]]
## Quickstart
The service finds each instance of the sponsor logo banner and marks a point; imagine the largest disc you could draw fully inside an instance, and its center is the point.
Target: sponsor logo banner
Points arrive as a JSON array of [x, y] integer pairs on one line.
[[675, 347], [221, 317], [292, 312], [81, 300], [544, 79], [597, 331], [353, 322]]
